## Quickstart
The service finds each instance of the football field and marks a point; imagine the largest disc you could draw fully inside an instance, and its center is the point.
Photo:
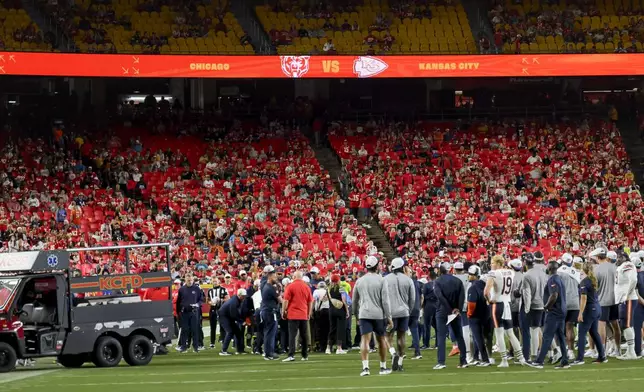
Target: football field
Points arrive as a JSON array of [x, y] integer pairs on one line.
[[208, 372]]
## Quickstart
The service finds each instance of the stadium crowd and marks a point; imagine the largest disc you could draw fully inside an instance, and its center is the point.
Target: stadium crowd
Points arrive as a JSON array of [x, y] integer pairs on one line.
[[249, 194], [575, 27]]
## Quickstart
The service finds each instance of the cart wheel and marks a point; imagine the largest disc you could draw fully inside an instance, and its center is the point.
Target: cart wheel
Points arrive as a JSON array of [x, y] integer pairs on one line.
[[8, 357], [139, 351], [108, 352]]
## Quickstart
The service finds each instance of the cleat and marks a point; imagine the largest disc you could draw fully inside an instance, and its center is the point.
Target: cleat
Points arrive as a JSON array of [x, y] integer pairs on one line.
[[562, 366]]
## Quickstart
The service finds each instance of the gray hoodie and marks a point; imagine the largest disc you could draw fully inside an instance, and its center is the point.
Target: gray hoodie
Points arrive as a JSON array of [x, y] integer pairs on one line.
[[371, 298], [402, 294], [534, 283]]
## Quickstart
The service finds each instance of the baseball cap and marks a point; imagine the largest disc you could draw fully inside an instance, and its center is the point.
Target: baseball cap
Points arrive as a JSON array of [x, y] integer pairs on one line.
[[611, 255], [397, 263], [269, 268], [567, 259], [285, 281], [577, 259], [321, 285], [640, 254], [241, 292], [242, 272], [458, 265], [516, 264], [423, 280], [372, 261], [227, 275], [257, 282], [474, 270], [306, 279], [177, 281], [446, 266], [315, 270], [599, 252]]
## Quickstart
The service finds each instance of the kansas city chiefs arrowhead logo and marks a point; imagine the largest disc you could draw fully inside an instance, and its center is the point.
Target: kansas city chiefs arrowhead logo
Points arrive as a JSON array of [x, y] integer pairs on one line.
[[367, 66]]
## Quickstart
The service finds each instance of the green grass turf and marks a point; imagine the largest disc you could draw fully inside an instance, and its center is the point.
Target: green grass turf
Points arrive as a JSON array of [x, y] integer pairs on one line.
[[208, 372]]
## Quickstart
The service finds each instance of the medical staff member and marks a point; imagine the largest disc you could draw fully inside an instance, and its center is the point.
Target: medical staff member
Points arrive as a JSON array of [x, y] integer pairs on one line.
[[588, 319], [554, 326], [269, 311], [189, 302], [230, 315]]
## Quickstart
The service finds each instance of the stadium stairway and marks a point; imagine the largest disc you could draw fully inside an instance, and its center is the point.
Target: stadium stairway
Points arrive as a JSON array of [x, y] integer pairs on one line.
[[48, 25], [476, 11], [634, 144], [245, 14], [329, 161]]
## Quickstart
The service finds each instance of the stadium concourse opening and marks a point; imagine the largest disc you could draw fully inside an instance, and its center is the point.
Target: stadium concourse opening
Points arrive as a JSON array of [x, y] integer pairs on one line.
[[294, 170]]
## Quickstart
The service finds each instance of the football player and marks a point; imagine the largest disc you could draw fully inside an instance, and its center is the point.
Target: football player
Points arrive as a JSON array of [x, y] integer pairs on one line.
[[498, 290], [627, 298]]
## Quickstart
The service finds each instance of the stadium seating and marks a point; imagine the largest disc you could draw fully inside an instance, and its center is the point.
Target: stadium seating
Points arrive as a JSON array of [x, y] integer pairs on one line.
[[265, 191], [18, 32], [605, 26], [368, 28], [137, 26], [439, 192]]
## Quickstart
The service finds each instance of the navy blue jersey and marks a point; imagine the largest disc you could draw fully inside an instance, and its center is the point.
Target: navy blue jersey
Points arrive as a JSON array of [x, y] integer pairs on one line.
[[269, 298], [476, 295], [555, 285], [417, 298], [428, 295], [640, 283], [586, 287], [231, 308], [189, 296], [450, 293]]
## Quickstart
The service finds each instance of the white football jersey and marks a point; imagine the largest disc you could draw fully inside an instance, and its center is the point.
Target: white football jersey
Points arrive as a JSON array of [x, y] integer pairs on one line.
[[502, 287], [625, 283], [564, 269]]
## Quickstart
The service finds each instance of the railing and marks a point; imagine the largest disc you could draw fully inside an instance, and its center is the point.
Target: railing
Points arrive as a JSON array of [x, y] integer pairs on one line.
[[256, 30], [52, 26]]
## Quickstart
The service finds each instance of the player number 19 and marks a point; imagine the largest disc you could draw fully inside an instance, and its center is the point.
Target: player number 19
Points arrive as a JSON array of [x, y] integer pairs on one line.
[[507, 286]]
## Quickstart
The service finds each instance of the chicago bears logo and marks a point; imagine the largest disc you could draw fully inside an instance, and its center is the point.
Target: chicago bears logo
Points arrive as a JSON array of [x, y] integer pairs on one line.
[[367, 66], [295, 66]]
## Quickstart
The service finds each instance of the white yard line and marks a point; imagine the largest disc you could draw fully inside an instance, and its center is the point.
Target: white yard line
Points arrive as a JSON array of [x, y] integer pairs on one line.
[[22, 375], [217, 379], [448, 385]]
